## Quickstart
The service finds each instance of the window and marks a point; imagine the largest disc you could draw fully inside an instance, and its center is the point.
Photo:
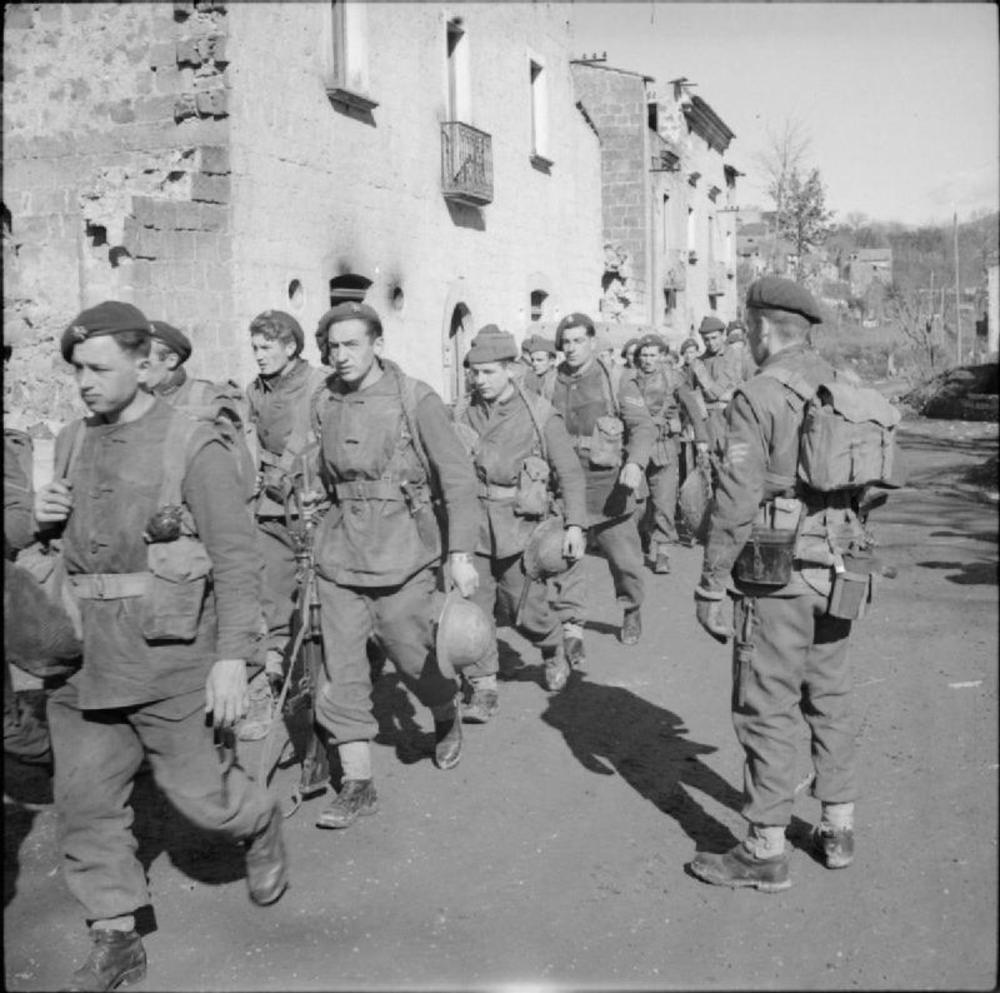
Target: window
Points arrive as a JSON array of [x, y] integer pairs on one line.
[[669, 304], [348, 78], [665, 224], [538, 298], [457, 48], [539, 111]]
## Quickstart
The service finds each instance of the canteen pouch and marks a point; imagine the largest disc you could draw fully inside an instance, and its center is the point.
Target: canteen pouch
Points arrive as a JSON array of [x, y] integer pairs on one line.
[[532, 496], [171, 609], [853, 588], [766, 558], [606, 442]]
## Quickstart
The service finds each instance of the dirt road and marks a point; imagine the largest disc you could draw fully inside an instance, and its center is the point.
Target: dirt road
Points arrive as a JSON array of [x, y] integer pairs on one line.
[[554, 855]]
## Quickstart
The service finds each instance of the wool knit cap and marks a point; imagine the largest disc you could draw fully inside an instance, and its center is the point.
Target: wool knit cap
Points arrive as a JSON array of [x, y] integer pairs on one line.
[[110, 317], [574, 320], [775, 293], [175, 339], [491, 345], [711, 324]]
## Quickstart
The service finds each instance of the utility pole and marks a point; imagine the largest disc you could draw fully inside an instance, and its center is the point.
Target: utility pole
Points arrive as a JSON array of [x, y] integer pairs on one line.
[[958, 305]]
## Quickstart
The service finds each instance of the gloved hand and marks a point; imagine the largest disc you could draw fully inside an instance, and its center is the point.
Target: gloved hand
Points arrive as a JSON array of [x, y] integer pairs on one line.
[[463, 573], [631, 476], [710, 609], [574, 543]]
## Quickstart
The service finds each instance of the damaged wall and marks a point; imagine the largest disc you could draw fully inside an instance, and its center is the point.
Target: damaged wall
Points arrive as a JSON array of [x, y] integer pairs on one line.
[[116, 180]]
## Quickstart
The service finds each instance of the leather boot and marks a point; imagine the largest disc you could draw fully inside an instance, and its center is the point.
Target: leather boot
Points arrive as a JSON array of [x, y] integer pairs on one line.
[[661, 565], [357, 798], [267, 863], [631, 627], [556, 669], [448, 741], [833, 846], [739, 868], [117, 959], [482, 705]]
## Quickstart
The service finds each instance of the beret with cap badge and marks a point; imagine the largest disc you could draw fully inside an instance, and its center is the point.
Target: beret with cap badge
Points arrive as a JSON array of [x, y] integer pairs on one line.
[[775, 293], [109, 317], [574, 320]]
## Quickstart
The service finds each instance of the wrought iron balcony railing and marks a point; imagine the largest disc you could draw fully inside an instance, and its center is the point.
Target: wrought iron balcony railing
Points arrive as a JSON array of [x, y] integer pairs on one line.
[[466, 164]]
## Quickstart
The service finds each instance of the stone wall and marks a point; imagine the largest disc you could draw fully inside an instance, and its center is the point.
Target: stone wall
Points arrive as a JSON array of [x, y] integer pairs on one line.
[[616, 102], [115, 179]]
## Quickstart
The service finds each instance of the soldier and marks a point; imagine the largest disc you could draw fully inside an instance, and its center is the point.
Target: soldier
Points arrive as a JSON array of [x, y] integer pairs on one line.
[[790, 652], [613, 434], [388, 451], [736, 340], [541, 377], [716, 374], [148, 500], [666, 397], [628, 354], [279, 400], [522, 454]]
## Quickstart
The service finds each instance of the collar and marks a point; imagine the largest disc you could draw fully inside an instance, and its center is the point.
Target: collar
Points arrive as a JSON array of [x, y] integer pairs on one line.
[[173, 383]]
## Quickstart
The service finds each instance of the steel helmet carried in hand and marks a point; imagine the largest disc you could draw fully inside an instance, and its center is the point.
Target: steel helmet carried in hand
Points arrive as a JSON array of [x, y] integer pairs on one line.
[[464, 634], [543, 555]]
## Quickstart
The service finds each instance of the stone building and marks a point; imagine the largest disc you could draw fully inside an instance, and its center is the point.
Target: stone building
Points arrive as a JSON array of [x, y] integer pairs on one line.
[[867, 266], [668, 202], [207, 161]]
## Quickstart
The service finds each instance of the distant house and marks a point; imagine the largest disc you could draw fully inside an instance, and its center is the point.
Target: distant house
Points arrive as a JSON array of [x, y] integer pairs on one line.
[[868, 265]]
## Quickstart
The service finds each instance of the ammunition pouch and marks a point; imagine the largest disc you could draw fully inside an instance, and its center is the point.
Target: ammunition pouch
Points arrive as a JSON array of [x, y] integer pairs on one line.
[[766, 559], [531, 497], [607, 442], [853, 586], [171, 608]]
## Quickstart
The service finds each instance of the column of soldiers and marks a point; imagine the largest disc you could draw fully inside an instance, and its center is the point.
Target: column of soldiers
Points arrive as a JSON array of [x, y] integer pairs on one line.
[[176, 502]]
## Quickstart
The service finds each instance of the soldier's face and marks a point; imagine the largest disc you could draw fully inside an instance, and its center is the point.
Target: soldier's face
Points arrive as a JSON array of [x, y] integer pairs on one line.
[[107, 377], [271, 355], [577, 346], [162, 362], [541, 362], [351, 351], [713, 341], [756, 337], [490, 379], [649, 358]]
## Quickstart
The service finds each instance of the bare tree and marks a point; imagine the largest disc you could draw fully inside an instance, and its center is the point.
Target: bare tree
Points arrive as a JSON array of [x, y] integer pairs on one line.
[[782, 155], [904, 306]]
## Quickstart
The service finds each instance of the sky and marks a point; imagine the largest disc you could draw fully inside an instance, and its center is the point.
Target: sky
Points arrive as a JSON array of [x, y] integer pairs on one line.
[[900, 101]]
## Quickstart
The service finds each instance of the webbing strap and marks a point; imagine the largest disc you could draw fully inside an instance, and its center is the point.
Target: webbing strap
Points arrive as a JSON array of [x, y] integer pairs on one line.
[[110, 585]]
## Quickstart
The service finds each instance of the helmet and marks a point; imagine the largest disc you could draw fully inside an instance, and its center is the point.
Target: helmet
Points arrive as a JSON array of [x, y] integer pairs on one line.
[[543, 555], [464, 634], [694, 500]]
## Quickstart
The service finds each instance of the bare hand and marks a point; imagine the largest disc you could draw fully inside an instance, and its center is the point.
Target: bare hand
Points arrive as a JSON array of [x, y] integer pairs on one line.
[[226, 695], [711, 616], [574, 543], [463, 573], [631, 476], [53, 502]]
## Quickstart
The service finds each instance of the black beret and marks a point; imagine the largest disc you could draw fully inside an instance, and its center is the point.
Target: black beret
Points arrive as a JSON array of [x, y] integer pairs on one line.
[[175, 339], [574, 320], [775, 293], [491, 345], [110, 317], [711, 324], [348, 310]]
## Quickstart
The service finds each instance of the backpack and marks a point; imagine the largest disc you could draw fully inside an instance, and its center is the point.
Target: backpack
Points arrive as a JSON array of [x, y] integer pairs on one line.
[[848, 435]]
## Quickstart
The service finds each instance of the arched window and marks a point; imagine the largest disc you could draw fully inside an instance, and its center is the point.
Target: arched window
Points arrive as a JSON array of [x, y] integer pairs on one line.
[[538, 298]]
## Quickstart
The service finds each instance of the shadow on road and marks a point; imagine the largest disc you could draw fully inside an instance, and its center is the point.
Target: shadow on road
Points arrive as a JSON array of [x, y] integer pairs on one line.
[[611, 730], [969, 573]]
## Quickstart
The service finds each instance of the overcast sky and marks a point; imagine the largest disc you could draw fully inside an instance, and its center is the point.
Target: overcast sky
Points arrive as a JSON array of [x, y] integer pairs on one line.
[[901, 100]]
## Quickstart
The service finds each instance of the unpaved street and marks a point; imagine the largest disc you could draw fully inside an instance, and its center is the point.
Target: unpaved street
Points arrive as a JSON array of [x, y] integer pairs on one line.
[[555, 853]]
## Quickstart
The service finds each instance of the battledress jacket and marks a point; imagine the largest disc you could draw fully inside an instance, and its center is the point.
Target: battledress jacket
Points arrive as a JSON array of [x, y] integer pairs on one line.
[[761, 459], [18, 520], [718, 376], [116, 482], [581, 396], [380, 529], [666, 395], [506, 437]]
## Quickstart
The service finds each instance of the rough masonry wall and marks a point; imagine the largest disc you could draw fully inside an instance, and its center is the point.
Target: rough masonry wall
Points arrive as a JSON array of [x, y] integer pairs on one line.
[[320, 192], [116, 182], [616, 102]]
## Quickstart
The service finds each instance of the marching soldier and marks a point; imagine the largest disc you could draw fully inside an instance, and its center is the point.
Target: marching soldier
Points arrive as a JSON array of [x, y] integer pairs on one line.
[[790, 646], [148, 510], [613, 434], [541, 377], [522, 455], [666, 397], [279, 400], [736, 340], [716, 374], [388, 454]]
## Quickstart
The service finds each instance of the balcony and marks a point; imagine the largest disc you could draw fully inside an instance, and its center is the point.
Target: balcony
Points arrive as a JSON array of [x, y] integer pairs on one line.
[[466, 164], [717, 279]]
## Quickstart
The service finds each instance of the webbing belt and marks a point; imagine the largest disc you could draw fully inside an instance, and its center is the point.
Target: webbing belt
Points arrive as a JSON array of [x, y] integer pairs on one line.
[[492, 491], [368, 489], [110, 585]]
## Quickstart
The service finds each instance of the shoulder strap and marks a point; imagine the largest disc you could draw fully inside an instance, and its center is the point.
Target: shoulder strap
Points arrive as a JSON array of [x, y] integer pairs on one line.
[[75, 433], [535, 420], [613, 383], [301, 434], [797, 383], [407, 390]]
